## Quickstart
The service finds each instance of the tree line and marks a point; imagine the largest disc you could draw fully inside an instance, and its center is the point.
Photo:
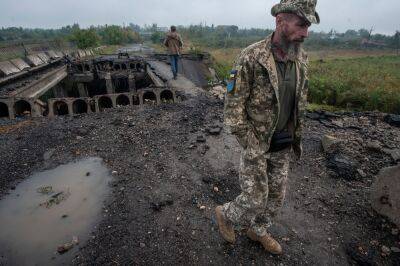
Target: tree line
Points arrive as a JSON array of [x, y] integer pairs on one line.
[[221, 36], [83, 38]]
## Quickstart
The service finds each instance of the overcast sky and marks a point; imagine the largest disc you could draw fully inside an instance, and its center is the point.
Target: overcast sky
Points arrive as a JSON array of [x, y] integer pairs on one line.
[[339, 15]]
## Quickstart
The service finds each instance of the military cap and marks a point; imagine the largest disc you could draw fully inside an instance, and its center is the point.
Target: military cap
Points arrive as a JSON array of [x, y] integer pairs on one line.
[[302, 8]]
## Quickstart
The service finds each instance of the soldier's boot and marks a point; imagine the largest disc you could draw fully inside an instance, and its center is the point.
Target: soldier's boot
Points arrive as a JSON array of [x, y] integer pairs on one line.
[[225, 228], [269, 244]]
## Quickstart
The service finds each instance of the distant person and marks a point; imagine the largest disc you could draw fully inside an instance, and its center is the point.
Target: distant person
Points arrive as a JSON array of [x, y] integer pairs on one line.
[[173, 42], [264, 109]]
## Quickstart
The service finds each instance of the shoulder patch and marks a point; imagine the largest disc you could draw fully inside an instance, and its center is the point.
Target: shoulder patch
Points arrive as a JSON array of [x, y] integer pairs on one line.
[[232, 81]]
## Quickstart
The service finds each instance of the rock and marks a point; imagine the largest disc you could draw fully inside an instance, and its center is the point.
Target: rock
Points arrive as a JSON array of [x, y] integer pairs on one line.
[[75, 240], [65, 248], [374, 146], [313, 116], [215, 130], [82, 132], [395, 249], [117, 122], [218, 92], [142, 245], [395, 154], [342, 166], [202, 207], [395, 231], [201, 138], [337, 123], [385, 194], [361, 173], [48, 154], [328, 142], [331, 115], [45, 190], [393, 120], [203, 149], [385, 250], [157, 206]]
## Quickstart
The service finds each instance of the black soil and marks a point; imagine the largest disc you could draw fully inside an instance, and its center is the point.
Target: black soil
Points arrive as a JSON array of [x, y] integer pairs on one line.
[[171, 170]]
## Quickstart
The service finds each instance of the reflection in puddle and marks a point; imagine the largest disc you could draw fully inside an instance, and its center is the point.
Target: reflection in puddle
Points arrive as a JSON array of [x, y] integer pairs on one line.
[[51, 212]]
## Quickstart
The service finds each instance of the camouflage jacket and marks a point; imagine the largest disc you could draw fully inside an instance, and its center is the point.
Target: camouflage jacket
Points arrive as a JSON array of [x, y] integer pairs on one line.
[[252, 108]]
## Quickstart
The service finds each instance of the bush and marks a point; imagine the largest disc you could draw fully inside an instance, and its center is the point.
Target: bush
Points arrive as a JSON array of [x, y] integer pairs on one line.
[[85, 38]]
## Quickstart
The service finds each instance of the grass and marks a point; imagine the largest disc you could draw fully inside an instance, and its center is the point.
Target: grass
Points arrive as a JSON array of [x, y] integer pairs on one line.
[[109, 49], [366, 83], [342, 79]]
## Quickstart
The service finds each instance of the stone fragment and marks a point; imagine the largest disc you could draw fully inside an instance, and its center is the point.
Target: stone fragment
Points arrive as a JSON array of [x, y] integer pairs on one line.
[[361, 173], [393, 120], [328, 142], [215, 130], [395, 154], [313, 116], [395, 249], [385, 194], [374, 146], [342, 166], [201, 138], [65, 248], [6, 68]]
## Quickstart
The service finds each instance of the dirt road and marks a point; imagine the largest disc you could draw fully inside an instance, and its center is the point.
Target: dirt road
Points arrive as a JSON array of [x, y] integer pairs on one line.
[[173, 166]]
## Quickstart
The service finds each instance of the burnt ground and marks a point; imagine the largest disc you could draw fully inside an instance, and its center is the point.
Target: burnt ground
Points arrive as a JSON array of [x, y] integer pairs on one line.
[[168, 166]]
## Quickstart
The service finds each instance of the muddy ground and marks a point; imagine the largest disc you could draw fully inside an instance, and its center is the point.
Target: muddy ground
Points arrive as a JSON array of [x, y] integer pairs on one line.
[[169, 167]]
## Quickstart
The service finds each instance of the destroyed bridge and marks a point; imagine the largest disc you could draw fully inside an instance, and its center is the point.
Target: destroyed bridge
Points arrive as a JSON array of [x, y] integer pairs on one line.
[[54, 83]]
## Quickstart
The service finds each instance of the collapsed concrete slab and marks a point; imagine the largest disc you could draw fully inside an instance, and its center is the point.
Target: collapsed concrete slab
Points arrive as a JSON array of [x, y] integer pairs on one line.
[[52, 54], [7, 68], [34, 60], [385, 193], [43, 57], [81, 53], [20, 64]]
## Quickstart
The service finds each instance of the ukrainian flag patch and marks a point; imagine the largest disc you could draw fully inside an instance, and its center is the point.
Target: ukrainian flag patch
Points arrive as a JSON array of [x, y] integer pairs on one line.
[[232, 81]]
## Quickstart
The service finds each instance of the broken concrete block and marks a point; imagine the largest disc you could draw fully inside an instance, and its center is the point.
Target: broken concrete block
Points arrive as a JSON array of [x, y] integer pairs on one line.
[[20, 64], [395, 154], [385, 193], [344, 167], [6, 68], [81, 53], [328, 142], [34, 60], [43, 57], [52, 54], [374, 146], [393, 120]]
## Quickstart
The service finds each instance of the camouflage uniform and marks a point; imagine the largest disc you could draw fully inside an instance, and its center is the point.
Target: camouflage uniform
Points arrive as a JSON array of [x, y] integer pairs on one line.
[[252, 110]]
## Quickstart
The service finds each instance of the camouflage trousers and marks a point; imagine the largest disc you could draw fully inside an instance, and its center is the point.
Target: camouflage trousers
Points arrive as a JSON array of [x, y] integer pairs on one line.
[[263, 179]]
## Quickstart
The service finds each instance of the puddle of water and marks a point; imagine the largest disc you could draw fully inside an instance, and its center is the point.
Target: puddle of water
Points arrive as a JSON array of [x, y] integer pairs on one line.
[[50, 209]]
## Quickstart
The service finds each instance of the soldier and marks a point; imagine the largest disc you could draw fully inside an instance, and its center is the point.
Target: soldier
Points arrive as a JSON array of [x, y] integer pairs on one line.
[[173, 42], [264, 109]]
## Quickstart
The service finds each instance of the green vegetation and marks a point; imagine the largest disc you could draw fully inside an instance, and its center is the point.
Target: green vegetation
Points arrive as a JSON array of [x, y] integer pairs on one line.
[[364, 83], [369, 83], [85, 38], [354, 69], [82, 38]]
